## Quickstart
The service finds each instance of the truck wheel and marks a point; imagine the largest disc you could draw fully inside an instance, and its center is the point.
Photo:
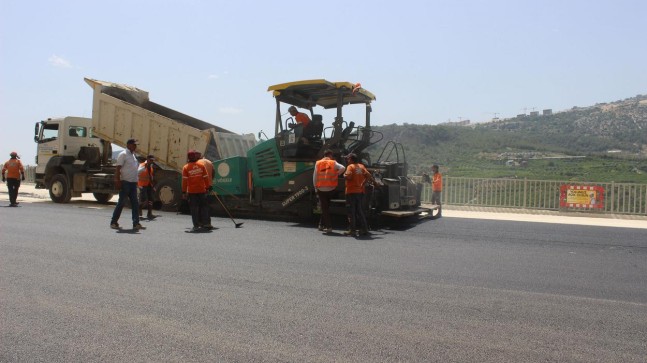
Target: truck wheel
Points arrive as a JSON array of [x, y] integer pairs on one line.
[[103, 198], [59, 189], [169, 194]]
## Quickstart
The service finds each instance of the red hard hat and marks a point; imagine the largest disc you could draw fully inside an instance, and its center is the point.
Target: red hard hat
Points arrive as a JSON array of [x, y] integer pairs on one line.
[[192, 155]]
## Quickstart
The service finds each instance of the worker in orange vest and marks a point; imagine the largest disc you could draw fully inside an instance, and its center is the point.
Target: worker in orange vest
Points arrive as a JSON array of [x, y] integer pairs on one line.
[[301, 121], [15, 172], [194, 188], [209, 166], [436, 188], [324, 178], [356, 177], [146, 184]]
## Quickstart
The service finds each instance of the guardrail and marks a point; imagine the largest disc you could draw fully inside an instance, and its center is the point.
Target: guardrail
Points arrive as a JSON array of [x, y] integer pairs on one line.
[[617, 198], [30, 174]]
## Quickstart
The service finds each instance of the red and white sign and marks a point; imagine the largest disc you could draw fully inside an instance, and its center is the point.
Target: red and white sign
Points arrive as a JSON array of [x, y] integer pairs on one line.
[[581, 196]]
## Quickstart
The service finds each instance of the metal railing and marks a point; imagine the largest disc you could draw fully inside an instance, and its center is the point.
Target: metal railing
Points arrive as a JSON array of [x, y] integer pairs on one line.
[[619, 198]]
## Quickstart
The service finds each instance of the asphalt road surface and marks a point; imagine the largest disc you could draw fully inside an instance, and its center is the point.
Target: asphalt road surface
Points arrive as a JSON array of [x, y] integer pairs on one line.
[[448, 290]]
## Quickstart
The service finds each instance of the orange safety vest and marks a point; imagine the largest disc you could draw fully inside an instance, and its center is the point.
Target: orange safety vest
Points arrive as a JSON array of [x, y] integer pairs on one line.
[[437, 183], [326, 174], [145, 175], [13, 167], [194, 178], [302, 118], [356, 175], [209, 166]]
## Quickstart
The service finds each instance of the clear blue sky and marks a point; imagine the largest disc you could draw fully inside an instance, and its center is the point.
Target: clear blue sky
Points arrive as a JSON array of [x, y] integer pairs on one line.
[[426, 61]]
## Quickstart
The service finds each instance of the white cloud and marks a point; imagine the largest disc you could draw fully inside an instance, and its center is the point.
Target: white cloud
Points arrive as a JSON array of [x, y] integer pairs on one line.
[[218, 75], [230, 110], [59, 62]]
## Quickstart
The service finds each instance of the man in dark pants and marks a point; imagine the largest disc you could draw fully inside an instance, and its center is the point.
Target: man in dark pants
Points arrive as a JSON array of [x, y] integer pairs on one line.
[[194, 187], [436, 189], [325, 178], [146, 175], [14, 169], [356, 177], [126, 182]]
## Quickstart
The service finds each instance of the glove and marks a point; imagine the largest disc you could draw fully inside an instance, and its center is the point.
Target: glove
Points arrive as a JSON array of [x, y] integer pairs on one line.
[[3, 179], [210, 189], [23, 177]]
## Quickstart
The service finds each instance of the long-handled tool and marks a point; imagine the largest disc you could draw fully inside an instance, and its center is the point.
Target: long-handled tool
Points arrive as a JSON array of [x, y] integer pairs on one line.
[[223, 190], [226, 210]]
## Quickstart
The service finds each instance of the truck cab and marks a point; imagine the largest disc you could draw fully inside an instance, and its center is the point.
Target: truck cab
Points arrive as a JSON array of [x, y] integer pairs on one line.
[[70, 159], [62, 137]]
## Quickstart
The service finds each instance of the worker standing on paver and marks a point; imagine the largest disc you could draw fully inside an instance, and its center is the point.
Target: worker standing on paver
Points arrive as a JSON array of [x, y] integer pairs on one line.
[[15, 172]]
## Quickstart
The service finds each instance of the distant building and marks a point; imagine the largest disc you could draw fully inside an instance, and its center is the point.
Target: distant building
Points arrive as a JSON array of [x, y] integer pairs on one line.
[[547, 112], [534, 113], [457, 123], [521, 115]]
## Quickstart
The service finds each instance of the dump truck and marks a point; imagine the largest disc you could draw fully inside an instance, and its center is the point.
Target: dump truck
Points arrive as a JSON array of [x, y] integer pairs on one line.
[[74, 154]]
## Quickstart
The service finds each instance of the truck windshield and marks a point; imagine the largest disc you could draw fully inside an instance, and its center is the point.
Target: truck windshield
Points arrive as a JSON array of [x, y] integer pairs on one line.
[[50, 132]]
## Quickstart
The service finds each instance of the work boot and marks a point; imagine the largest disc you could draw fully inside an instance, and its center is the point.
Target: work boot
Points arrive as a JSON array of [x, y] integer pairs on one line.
[[350, 232], [208, 227], [364, 232], [114, 225], [321, 228], [138, 226], [151, 216], [328, 230]]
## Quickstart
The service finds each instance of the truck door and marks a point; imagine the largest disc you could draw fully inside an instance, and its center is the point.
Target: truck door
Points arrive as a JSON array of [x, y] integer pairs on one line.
[[49, 144], [76, 136]]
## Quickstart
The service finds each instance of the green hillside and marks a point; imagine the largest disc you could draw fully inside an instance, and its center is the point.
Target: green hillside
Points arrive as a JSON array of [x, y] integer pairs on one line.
[[601, 143]]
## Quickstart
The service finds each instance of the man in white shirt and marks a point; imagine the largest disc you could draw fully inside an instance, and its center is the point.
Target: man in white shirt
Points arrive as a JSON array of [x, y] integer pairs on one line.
[[126, 177]]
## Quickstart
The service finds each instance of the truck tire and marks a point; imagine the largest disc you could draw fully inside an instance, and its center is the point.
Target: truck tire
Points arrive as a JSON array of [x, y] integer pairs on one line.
[[103, 198], [169, 194], [59, 189]]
